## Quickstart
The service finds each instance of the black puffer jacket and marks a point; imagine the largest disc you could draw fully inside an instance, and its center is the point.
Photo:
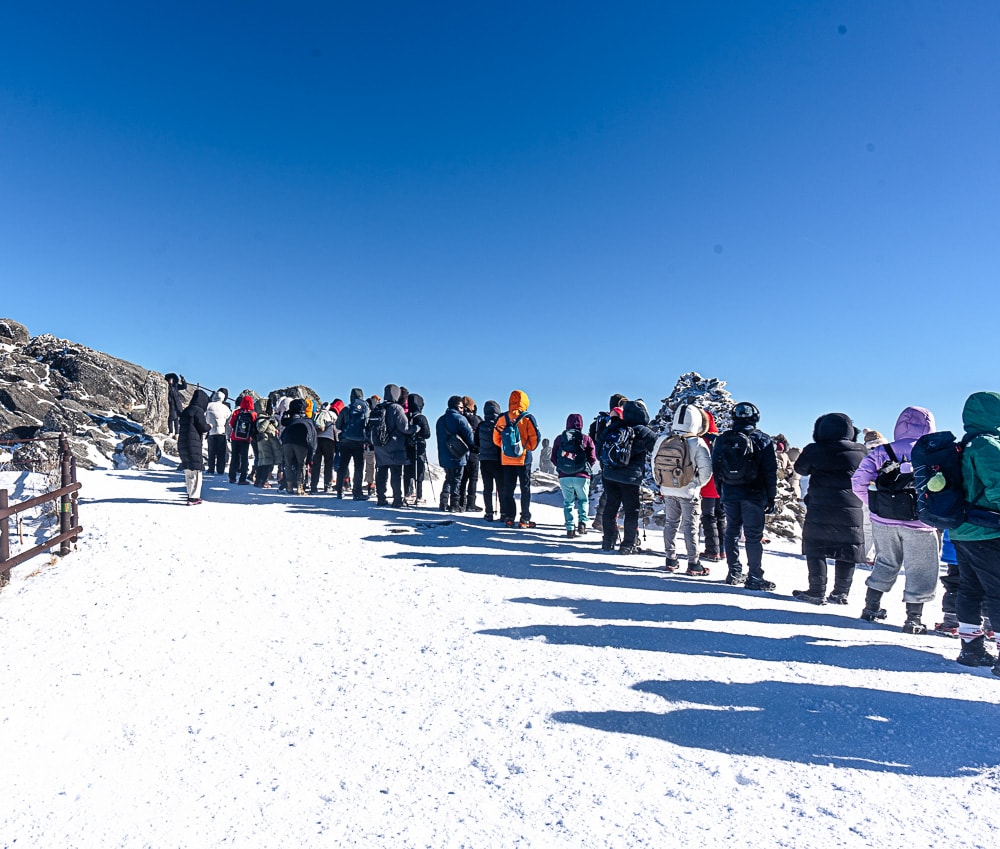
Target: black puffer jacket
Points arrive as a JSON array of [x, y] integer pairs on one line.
[[192, 428], [484, 433], [416, 443], [833, 526]]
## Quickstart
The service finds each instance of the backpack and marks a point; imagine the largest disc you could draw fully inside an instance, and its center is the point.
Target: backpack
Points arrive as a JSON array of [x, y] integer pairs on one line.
[[378, 427], [510, 437], [673, 463], [243, 426], [894, 496], [736, 458], [940, 488], [571, 460], [355, 421], [616, 451]]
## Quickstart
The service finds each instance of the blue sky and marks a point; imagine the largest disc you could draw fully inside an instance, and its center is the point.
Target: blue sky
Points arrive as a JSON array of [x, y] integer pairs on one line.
[[571, 199]]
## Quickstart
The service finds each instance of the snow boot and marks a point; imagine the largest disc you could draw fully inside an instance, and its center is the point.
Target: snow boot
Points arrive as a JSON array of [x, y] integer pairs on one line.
[[913, 625], [758, 584], [570, 533], [581, 529], [736, 579], [696, 570], [837, 598], [671, 565], [873, 611], [809, 596], [975, 653]]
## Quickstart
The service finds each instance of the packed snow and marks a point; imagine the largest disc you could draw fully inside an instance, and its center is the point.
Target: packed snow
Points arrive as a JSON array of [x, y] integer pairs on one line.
[[263, 670]]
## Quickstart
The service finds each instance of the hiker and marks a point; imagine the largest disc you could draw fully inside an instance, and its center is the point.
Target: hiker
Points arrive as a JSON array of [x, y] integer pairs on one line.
[[516, 435], [352, 425], [298, 440], [388, 429], [901, 540], [191, 429], [713, 519], [175, 402], [242, 429], [369, 455], [416, 449], [682, 465], [325, 422], [834, 520], [546, 465], [623, 447], [746, 474], [490, 468], [455, 442], [217, 415], [470, 474], [977, 546], [597, 428], [573, 455], [267, 448]]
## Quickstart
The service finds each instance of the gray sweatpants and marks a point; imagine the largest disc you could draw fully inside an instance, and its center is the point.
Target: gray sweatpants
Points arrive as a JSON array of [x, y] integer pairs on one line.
[[916, 552], [686, 513]]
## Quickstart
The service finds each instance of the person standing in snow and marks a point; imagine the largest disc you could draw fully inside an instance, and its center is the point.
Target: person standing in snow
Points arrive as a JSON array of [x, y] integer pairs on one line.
[[352, 424], [267, 447], [713, 519], [597, 428], [470, 474], [513, 464], [682, 465], [746, 472], [834, 519], [298, 440], [175, 403], [192, 427], [325, 422], [416, 449], [623, 479], [240, 438], [573, 456], [217, 415], [455, 441], [902, 542], [390, 454], [490, 467]]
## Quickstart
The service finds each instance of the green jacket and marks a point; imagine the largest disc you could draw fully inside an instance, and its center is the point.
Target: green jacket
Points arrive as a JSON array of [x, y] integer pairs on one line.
[[981, 462]]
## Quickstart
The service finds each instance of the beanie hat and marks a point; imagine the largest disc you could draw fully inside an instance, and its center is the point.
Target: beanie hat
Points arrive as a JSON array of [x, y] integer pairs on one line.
[[470, 405]]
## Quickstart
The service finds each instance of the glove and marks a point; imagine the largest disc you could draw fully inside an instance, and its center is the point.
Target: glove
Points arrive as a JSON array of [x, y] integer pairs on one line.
[[770, 510]]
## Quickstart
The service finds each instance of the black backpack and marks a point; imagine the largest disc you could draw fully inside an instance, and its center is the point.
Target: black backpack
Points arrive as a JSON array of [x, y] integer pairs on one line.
[[355, 421], [736, 458], [895, 494], [572, 459], [243, 426], [378, 426], [938, 480], [616, 451]]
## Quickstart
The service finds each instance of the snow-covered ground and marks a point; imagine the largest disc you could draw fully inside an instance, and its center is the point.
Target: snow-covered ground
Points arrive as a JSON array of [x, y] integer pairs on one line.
[[269, 671]]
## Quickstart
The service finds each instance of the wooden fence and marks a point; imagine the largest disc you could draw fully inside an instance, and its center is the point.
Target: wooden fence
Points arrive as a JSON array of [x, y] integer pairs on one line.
[[69, 519]]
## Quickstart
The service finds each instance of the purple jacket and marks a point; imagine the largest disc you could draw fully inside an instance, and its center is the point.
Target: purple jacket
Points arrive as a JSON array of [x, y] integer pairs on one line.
[[574, 421], [912, 423]]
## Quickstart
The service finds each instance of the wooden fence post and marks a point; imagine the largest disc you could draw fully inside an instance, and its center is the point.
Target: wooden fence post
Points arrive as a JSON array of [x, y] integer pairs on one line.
[[64, 502], [4, 540]]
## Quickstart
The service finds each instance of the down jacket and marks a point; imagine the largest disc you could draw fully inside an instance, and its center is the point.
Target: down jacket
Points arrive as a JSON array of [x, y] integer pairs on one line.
[[488, 451], [981, 462], [453, 423], [692, 424], [636, 416], [574, 421], [517, 410], [393, 453], [191, 430]]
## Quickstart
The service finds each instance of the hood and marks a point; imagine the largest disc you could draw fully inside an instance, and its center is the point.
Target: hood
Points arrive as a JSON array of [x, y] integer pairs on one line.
[[635, 413], [356, 395], [518, 402], [574, 421], [220, 396], [297, 407], [491, 411], [981, 413], [454, 401], [392, 393], [246, 403], [690, 420], [225, 393], [712, 426], [832, 427], [416, 403], [200, 399], [337, 406], [470, 405], [913, 423]]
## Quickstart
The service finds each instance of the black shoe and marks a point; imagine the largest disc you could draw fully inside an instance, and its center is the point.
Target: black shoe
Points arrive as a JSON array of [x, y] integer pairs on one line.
[[871, 614], [837, 598], [607, 546], [805, 595], [696, 570], [736, 579], [758, 585], [509, 523], [671, 564], [914, 626], [399, 504], [570, 533], [974, 653], [488, 517], [526, 523], [472, 508], [381, 503], [629, 549]]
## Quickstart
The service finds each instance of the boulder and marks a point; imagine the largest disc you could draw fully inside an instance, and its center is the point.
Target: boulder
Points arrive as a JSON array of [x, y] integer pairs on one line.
[[138, 452], [13, 333]]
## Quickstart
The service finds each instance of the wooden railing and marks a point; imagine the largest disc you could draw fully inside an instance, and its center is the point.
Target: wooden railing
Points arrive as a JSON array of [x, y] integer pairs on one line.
[[69, 518]]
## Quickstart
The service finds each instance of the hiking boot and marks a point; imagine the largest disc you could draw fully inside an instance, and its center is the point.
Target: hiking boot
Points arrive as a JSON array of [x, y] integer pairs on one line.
[[381, 503], [193, 501], [671, 565], [472, 508], [914, 626], [758, 584], [581, 529], [974, 653], [946, 629], [736, 579], [873, 614], [607, 546], [570, 533], [526, 523], [837, 598], [509, 523], [629, 549], [597, 524], [696, 570], [806, 595], [488, 517], [712, 558]]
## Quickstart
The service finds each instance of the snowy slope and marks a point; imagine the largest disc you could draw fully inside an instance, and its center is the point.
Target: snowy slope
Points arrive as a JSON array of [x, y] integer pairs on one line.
[[264, 671]]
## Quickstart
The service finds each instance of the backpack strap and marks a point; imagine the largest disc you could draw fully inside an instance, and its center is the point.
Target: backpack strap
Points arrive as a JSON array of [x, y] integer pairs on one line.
[[890, 452]]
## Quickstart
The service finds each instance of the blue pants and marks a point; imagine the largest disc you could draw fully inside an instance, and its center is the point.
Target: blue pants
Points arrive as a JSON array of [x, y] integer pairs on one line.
[[575, 491]]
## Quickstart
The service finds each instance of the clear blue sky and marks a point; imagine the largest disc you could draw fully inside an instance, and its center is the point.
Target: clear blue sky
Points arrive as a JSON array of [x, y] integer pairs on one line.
[[567, 198]]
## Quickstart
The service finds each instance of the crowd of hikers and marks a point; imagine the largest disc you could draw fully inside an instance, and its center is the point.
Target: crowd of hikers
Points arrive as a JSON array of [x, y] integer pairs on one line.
[[900, 505]]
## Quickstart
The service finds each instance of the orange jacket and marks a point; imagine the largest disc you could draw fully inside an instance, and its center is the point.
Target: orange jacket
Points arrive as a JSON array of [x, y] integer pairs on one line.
[[516, 411]]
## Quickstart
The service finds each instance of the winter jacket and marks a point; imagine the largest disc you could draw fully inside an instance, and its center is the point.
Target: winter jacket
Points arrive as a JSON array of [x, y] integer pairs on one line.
[[709, 490], [912, 423], [574, 421], [636, 416], [416, 443], [981, 462], [191, 430], [834, 515], [488, 451], [765, 487], [299, 430], [325, 421], [246, 406], [474, 422], [267, 448], [217, 414], [353, 420], [393, 453], [453, 424], [175, 384], [517, 411], [690, 422]]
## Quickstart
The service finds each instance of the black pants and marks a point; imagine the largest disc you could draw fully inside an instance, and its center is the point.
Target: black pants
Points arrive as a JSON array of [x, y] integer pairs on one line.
[[470, 482], [325, 451], [261, 474], [748, 516], [713, 524], [296, 457], [217, 454], [450, 488], [413, 477], [239, 463], [843, 575], [394, 476], [626, 496], [491, 474], [979, 580], [356, 454]]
